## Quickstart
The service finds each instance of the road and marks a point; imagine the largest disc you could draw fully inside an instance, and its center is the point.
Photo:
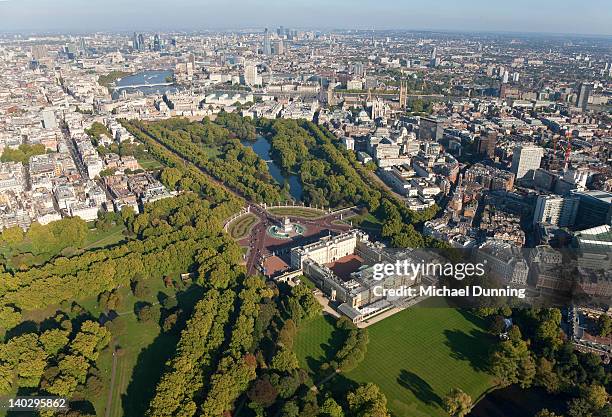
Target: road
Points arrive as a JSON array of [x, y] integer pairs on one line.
[[374, 176], [74, 153], [79, 164], [256, 240], [109, 401]]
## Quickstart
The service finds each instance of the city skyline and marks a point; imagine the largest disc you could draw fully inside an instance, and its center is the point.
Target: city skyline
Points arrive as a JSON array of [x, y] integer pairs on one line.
[[520, 16], [334, 209]]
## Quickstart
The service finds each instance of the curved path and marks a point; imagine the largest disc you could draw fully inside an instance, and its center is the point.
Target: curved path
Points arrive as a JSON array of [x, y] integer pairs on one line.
[[109, 401]]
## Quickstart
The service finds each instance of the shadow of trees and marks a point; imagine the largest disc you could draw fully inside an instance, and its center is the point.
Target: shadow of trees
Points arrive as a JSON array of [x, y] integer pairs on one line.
[[147, 373], [22, 328], [472, 318], [329, 348], [472, 347], [419, 387], [152, 359]]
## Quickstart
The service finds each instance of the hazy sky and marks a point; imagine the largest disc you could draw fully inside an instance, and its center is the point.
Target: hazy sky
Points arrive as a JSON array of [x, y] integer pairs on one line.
[[555, 16]]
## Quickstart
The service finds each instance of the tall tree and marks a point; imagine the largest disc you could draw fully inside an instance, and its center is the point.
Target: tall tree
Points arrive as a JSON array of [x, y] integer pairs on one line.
[[457, 403], [367, 401]]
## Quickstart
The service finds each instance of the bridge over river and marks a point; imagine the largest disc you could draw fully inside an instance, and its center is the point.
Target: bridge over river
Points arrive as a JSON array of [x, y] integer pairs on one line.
[[119, 87]]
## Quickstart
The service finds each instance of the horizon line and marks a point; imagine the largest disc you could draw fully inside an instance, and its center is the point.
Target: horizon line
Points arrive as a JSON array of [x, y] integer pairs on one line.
[[251, 29]]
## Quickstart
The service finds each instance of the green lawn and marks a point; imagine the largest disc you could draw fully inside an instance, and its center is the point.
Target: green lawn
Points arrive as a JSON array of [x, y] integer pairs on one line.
[[367, 222], [314, 343], [304, 212], [241, 227], [134, 339], [24, 255], [102, 238], [418, 355], [150, 164], [145, 349], [211, 152]]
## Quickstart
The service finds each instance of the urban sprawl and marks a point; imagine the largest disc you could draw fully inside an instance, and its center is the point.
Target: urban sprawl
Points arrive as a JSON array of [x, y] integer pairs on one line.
[[498, 146]]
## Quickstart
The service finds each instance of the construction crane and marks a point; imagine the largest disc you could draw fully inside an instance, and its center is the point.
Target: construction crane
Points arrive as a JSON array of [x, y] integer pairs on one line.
[[565, 146], [567, 149], [568, 153]]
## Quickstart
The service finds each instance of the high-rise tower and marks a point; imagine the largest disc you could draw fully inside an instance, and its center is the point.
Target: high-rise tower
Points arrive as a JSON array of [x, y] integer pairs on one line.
[[526, 160], [267, 47], [583, 95]]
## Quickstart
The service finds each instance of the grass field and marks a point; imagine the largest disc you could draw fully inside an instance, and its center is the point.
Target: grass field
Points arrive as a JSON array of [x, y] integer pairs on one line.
[[315, 343], [145, 350], [416, 357], [150, 164], [240, 228], [23, 256], [367, 222], [102, 238], [304, 212]]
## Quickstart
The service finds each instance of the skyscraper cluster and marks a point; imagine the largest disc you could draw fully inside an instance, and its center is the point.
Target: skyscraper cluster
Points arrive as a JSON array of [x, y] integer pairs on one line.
[[138, 42]]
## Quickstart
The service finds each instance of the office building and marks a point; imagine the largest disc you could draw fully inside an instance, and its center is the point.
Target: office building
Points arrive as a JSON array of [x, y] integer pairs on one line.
[[489, 177], [431, 128], [584, 93], [250, 75], [267, 47], [278, 48], [48, 119], [526, 160], [504, 261], [358, 69], [434, 61], [594, 247], [556, 210], [594, 209], [486, 145], [83, 46], [138, 42], [39, 52]]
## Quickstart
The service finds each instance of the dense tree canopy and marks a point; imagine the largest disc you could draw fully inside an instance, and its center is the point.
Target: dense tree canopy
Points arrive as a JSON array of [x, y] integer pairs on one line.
[[52, 361], [22, 153], [240, 127], [216, 151], [537, 352]]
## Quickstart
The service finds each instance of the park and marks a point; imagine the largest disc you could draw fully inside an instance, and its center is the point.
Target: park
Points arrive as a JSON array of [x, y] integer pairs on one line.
[[415, 356]]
